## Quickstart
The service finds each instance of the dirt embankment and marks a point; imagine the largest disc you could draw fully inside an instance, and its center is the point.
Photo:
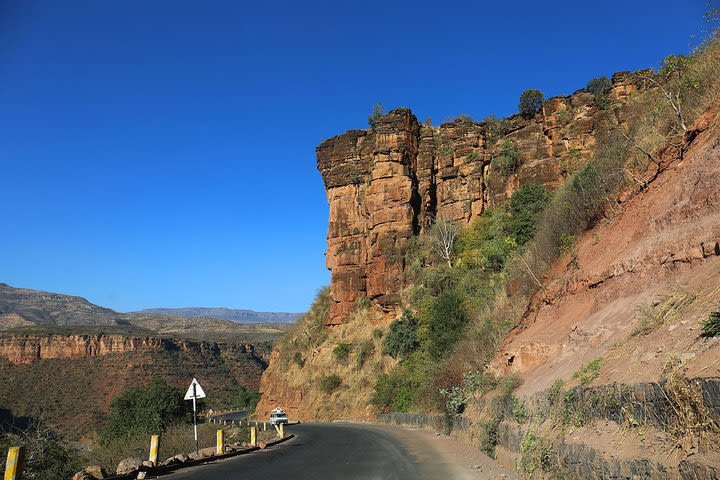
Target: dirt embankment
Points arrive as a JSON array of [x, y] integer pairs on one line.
[[653, 268]]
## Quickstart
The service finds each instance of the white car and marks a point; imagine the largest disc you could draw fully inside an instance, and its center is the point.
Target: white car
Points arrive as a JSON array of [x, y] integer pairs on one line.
[[278, 416]]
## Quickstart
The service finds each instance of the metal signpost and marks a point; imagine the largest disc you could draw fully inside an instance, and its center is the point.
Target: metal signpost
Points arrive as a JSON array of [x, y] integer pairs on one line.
[[194, 392]]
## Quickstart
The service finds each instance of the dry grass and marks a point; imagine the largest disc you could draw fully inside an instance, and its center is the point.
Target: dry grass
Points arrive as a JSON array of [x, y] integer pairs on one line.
[[692, 421], [651, 317], [352, 398]]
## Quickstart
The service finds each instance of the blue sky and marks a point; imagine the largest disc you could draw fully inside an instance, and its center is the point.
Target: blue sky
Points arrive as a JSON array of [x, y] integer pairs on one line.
[[162, 153]]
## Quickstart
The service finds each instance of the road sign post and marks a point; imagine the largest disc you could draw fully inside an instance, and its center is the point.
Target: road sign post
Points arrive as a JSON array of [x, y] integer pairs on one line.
[[194, 392]]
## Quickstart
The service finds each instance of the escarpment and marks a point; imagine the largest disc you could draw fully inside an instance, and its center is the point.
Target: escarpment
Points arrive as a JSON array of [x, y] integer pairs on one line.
[[386, 184], [29, 348]]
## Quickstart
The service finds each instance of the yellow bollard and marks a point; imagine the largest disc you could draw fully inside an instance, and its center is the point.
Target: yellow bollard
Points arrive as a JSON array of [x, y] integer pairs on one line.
[[253, 439], [14, 464], [220, 448], [282, 431], [154, 447]]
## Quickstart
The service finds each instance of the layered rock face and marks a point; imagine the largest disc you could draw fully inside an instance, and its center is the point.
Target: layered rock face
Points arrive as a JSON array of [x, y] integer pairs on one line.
[[23, 349], [387, 184]]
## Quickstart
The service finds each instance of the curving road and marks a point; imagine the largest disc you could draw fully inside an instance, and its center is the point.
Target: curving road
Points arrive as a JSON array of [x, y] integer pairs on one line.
[[354, 451]]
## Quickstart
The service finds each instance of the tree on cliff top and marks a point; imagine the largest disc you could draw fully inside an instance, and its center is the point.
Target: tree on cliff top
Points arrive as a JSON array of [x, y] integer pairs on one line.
[[531, 101], [377, 112]]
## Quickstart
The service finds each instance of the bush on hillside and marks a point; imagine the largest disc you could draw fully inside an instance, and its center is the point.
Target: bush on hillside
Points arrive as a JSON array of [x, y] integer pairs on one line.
[[247, 399], [531, 102], [509, 160], [525, 206], [407, 386], [146, 409], [342, 351], [329, 383], [599, 87], [711, 326], [443, 321], [365, 349], [401, 338]]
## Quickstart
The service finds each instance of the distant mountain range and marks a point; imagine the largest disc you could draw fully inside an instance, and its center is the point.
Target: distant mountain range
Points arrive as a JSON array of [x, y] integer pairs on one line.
[[24, 308], [221, 313]]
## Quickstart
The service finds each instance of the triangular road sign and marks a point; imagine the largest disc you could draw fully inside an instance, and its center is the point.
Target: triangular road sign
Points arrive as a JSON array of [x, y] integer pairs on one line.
[[196, 392]]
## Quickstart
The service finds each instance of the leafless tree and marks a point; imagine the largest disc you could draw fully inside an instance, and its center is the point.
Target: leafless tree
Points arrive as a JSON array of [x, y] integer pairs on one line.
[[443, 235]]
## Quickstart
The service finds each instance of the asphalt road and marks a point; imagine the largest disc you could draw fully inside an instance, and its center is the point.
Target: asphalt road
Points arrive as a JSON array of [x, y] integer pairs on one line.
[[343, 451], [230, 416]]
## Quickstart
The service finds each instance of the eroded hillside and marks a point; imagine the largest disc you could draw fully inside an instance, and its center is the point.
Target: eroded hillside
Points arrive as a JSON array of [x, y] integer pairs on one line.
[[548, 283]]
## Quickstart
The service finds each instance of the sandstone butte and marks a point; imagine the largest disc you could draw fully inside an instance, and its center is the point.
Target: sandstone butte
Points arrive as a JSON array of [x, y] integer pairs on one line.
[[387, 183]]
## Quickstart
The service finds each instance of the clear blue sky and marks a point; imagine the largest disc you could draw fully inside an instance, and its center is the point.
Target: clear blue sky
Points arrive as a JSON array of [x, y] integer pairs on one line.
[[162, 153]]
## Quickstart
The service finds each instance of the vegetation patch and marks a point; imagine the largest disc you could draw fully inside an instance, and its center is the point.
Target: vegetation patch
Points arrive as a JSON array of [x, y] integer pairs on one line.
[[329, 383], [588, 372], [711, 326]]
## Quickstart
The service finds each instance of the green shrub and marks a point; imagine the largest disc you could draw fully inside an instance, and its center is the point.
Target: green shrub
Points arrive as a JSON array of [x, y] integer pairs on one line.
[[145, 410], [365, 349], [567, 243], [509, 160], [407, 386], [342, 351], [247, 399], [599, 87], [496, 128], [525, 206], [519, 411], [298, 359], [531, 102], [711, 326], [377, 112], [489, 436], [377, 333], [401, 338], [589, 371], [329, 383], [444, 321]]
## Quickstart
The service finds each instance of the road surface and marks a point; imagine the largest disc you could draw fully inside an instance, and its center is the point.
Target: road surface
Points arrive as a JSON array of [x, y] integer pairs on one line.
[[230, 416], [354, 451]]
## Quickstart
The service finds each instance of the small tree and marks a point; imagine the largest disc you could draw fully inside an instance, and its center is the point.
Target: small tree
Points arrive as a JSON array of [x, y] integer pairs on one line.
[[145, 410], [673, 80], [599, 87], [443, 235], [531, 102], [377, 112]]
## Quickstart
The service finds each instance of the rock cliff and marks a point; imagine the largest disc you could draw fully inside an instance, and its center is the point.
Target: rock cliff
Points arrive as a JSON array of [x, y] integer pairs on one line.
[[387, 183], [29, 348]]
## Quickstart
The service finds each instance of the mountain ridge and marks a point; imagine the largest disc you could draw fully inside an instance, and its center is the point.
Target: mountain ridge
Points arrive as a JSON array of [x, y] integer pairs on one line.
[[224, 313]]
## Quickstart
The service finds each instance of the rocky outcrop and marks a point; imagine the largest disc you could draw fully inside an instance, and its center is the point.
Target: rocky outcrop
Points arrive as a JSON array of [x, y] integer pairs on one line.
[[28, 348], [386, 184]]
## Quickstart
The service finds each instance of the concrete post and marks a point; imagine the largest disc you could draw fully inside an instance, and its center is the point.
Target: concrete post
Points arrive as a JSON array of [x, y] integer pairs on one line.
[[253, 438], [14, 464], [220, 447], [154, 447]]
